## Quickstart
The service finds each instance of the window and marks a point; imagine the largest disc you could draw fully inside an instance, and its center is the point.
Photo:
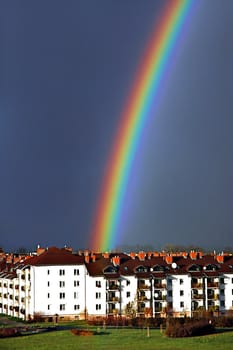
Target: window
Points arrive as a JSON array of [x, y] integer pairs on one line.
[[61, 272], [127, 283], [48, 272], [222, 292], [232, 280], [75, 295], [181, 293], [98, 284], [110, 269], [98, 307], [127, 294], [181, 304], [76, 272], [158, 268], [170, 293], [76, 283], [232, 291], [210, 267], [221, 280], [48, 283], [141, 269], [222, 303], [48, 295], [181, 281], [48, 307], [62, 307], [98, 295], [62, 284], [76, 307], [62, 295], [194, 268]]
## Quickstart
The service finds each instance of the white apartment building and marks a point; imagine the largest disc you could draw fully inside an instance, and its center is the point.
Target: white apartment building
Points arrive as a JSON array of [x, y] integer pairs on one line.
[[58, 284]]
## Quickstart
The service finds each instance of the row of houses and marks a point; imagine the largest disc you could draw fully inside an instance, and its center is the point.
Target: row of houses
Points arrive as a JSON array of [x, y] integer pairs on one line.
[[60, 284]]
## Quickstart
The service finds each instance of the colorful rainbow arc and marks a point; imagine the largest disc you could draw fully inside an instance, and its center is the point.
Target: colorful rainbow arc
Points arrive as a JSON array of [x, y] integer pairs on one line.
[[135, 113]]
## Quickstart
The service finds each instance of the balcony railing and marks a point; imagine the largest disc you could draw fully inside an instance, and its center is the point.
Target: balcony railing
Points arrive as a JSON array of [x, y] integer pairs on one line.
[[113, 299], [212, 285], [143, 286], [113, 287], [143, 298], [160, 285], [196, 285], [197, 296]]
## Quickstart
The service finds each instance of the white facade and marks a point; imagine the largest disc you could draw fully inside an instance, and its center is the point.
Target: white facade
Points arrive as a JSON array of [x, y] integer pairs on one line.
[[81, 290], [58, 290]]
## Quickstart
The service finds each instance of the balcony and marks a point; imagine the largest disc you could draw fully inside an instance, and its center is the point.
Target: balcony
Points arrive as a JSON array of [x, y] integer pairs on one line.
[[196, 285], [143, 298], [113, 311], [113, 299], [143, 287], [212, 285], [159, 309], [113, 286], [197, 296], [160, 285], [159, 296], [141, 310]]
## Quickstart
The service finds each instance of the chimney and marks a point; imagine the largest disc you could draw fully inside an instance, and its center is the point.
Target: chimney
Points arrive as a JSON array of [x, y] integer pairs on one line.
[[93, 257], [40, 250], [17, 259], [220, 258], [9, 258], [149, 255], [169, 259], [87, 259], [116, 260], [193, 255], [141, 256], [132, 255]]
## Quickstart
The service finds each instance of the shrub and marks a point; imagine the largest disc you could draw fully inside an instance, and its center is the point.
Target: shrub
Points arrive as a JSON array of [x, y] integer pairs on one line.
[[179, 328], [9, 332], [38, 317]]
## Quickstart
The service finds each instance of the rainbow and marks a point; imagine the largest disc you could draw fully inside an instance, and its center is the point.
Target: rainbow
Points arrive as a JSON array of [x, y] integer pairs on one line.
[[155, 60]]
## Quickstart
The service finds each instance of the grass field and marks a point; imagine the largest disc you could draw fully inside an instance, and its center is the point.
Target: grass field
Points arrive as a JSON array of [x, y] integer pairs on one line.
[[116, 339]]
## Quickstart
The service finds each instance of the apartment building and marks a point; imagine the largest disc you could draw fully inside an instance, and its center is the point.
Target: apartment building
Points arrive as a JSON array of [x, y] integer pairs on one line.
[[59, 284]]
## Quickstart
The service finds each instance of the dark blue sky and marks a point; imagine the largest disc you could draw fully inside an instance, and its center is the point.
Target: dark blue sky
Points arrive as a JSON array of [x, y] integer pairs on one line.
[[66, 69]]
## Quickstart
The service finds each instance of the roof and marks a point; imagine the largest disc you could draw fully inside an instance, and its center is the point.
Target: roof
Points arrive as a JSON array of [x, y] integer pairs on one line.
[[55, 256]]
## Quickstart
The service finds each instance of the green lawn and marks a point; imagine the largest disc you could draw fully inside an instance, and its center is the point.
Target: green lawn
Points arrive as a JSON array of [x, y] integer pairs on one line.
[[122, 339]]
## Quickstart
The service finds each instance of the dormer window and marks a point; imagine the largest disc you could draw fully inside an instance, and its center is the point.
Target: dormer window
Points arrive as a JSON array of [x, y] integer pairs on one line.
[[110, 269], [141, 269], [194, 268], [210, 267], [157, 268]]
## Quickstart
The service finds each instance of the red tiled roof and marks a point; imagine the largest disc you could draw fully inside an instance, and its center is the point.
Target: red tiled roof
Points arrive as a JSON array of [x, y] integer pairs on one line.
[[55, 256]]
